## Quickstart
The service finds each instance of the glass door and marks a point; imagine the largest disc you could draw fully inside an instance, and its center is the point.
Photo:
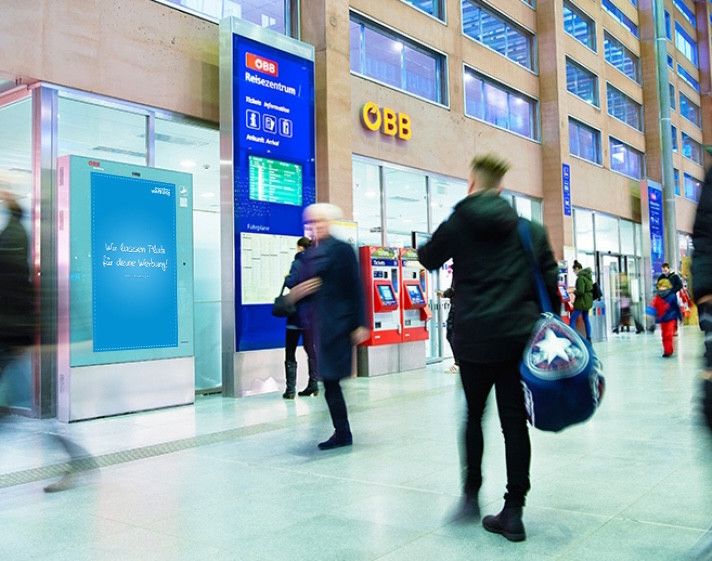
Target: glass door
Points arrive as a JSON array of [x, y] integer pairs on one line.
[[610, 276]]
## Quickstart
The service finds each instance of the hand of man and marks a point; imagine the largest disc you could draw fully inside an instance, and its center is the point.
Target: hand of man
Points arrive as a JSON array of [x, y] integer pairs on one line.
[[303, 289], [359, 335]]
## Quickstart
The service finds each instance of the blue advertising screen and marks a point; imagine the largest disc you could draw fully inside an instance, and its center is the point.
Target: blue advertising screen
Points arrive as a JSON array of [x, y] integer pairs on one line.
[[134, 270], [657, 234], [274, 176]]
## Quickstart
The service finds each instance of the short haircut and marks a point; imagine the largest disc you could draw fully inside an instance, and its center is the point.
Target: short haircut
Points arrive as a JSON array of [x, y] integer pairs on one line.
[[664, 265], [304, 242], [490, 168], [324, 211]]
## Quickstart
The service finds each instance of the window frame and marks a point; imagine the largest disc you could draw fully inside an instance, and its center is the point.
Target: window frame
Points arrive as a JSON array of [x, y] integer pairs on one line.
[[687, 42], [610, 38], [611, 140], [698, 110], [617, 14], [576, 10], [639, 107], [443, 9], [442, 78], [598, 135], [536, 113], [597, 92]]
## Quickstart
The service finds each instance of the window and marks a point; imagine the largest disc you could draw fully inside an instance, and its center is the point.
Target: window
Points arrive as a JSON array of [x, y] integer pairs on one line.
[[621, 58], [692, 188], [624, 108], [685, 44], [393, 60], [670, 63], [581, 82], [625, 159], [367, 202], [498, 33], [624, 20], [579, 25], [672, 96], [685, 75], [406, 205], [686, 12], [691, 149], [668, 27], [584, 141], [677, 181], [504, 107], [274, 15], [690, 110], [673, 130], [433, 7]]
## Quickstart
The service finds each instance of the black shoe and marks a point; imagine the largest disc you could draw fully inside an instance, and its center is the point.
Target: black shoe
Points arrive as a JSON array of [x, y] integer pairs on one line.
[[309, 390], [665, 355], [467, 511], [288, 395], [67, 481], [508, 523], [336, 441]]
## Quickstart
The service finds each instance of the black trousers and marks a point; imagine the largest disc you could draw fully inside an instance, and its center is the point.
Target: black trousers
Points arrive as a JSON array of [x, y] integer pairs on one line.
[[477, 381], [337, 407]]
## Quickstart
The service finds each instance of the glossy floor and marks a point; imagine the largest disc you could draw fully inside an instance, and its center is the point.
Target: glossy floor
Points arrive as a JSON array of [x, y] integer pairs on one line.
[[634, 483]]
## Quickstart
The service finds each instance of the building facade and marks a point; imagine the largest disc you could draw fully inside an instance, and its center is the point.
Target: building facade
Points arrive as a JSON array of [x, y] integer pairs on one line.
[[407, 92]]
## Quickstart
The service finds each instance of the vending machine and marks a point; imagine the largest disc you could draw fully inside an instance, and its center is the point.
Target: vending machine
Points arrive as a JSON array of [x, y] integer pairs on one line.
[[415, 311], [380, 274]]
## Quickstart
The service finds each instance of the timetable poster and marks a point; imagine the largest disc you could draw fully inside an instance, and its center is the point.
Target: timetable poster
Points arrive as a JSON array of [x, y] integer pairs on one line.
[[134, 268]]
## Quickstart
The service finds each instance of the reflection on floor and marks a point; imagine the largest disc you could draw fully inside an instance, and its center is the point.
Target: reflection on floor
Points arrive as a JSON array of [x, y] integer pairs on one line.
[[635, 483]]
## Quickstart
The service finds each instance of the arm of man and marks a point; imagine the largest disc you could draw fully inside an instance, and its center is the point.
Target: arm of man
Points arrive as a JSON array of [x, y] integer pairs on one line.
[[439, 248]]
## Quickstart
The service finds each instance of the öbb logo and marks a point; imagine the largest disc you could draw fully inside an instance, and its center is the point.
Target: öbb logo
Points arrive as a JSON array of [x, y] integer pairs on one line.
[[388, 121], [261, 64]]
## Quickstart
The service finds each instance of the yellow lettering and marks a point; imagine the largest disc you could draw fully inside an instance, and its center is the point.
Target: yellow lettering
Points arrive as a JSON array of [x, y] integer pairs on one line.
[[405, 131], [371, 116], [390, 123]]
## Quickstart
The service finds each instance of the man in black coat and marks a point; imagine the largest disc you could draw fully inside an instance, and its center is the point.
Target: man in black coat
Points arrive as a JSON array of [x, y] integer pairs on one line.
[[497, 308], [702, 284], [334, 312]]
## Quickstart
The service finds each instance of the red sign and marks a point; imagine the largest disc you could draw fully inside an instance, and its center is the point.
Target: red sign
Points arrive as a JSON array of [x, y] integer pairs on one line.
[[261, 64]]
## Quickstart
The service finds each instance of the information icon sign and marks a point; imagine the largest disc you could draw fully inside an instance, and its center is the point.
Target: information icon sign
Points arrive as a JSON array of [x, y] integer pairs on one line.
[[252, 119], [269, 124], [285, 128]]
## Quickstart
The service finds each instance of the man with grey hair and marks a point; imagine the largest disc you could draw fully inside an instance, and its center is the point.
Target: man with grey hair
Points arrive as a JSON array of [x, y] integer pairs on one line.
[[334, 312]]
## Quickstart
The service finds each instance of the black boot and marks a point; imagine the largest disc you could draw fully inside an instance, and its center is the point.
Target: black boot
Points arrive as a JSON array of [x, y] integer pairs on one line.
[[290, 374], [508, 523], [336, 441], [468, 510], [313, 385]]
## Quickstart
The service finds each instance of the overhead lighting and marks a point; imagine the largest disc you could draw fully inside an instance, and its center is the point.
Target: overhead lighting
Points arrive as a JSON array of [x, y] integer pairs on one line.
[[398, 46], [187, 164]]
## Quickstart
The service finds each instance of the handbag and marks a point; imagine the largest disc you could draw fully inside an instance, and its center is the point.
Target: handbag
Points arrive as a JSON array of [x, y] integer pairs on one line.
[[560, 372], [281, 307]]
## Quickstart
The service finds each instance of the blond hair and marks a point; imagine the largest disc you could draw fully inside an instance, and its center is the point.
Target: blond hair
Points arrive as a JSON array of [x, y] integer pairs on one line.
[[490, 169], [323, 211]]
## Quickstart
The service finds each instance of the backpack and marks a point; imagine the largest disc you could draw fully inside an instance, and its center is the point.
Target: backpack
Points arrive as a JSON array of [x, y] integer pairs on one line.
[[596, 292]]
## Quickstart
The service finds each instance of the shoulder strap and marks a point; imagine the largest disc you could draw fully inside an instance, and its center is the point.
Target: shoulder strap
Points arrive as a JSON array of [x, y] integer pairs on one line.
[[525, 236]]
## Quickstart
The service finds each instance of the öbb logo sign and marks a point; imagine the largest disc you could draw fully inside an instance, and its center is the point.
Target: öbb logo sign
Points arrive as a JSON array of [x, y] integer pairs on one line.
[[387, 120], [262, 64]]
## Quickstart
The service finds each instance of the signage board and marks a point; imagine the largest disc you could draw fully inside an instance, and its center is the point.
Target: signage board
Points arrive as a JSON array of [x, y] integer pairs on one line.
[[657, 232], [566, 186]]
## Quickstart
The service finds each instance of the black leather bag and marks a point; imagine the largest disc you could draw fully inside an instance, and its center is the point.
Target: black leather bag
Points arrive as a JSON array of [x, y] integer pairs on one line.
[[281, 307]]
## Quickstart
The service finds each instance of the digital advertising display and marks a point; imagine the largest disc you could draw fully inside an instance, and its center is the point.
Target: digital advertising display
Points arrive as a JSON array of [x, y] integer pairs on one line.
[[657, 233], [134, 276], [272, 124]]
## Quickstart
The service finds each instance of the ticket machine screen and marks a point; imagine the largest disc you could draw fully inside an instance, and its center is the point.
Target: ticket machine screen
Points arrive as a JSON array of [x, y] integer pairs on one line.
[[415, 294], [564, 294], [385, 291]]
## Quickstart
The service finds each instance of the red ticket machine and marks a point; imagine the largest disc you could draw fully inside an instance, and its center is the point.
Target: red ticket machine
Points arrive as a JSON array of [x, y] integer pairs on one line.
[[415, 312], [380, 273]]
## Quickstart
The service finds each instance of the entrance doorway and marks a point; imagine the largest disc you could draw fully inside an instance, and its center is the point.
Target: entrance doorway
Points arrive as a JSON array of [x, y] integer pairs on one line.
[[620, 281]]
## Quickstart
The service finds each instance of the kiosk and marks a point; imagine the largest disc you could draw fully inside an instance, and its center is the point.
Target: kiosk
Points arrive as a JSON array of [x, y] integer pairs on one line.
[[380, 274], [416, 314]]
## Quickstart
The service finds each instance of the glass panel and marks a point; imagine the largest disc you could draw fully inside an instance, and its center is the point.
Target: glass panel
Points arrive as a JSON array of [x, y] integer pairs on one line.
[[638, 239], [421, 71], [626, 160], [496, 106], [579, 25], [687, 12], [624, 108], [521, 119], [100, 132], [607, 234], [266, 13], [383, 58], [620, 57], [583, 224], [356, 31], [474, 96], [689, 110], [685, 75], [624, 20], [584, 141], [627, 237], [444, 195], [432, 7], [367, 202], [16, 389], [581, 82], [692, 188], [686, 44], [406, 205], [691, 149], [523, 206]]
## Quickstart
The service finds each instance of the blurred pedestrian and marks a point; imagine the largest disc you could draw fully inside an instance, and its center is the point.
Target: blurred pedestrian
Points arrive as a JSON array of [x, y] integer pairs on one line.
[[702, 285], [497, 308], [583, 301], [295, 332], [667, 314], [334, 312], [18, 315]]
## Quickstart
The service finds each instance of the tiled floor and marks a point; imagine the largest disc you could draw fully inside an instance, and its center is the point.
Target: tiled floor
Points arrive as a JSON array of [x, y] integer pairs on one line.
[[634, 483]]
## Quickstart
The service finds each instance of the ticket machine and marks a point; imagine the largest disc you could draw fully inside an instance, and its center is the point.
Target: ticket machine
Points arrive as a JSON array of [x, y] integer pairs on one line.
[[415, 311], [380, 274]]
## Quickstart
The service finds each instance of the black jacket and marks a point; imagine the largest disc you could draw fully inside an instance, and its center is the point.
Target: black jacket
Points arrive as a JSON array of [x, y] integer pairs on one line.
[[496, 298], [702, 241], [292, 279], [336, 309], [16, 293]]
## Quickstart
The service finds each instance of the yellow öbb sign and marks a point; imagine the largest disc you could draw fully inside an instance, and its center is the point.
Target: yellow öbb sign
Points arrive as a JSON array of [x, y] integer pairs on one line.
[[386, 120]]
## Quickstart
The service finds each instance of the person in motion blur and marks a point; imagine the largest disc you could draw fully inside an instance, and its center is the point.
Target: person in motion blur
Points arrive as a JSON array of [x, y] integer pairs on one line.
[[583, 301], [17, 316], [497, 309], [295, 332], [667, 314], [333, 312]]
